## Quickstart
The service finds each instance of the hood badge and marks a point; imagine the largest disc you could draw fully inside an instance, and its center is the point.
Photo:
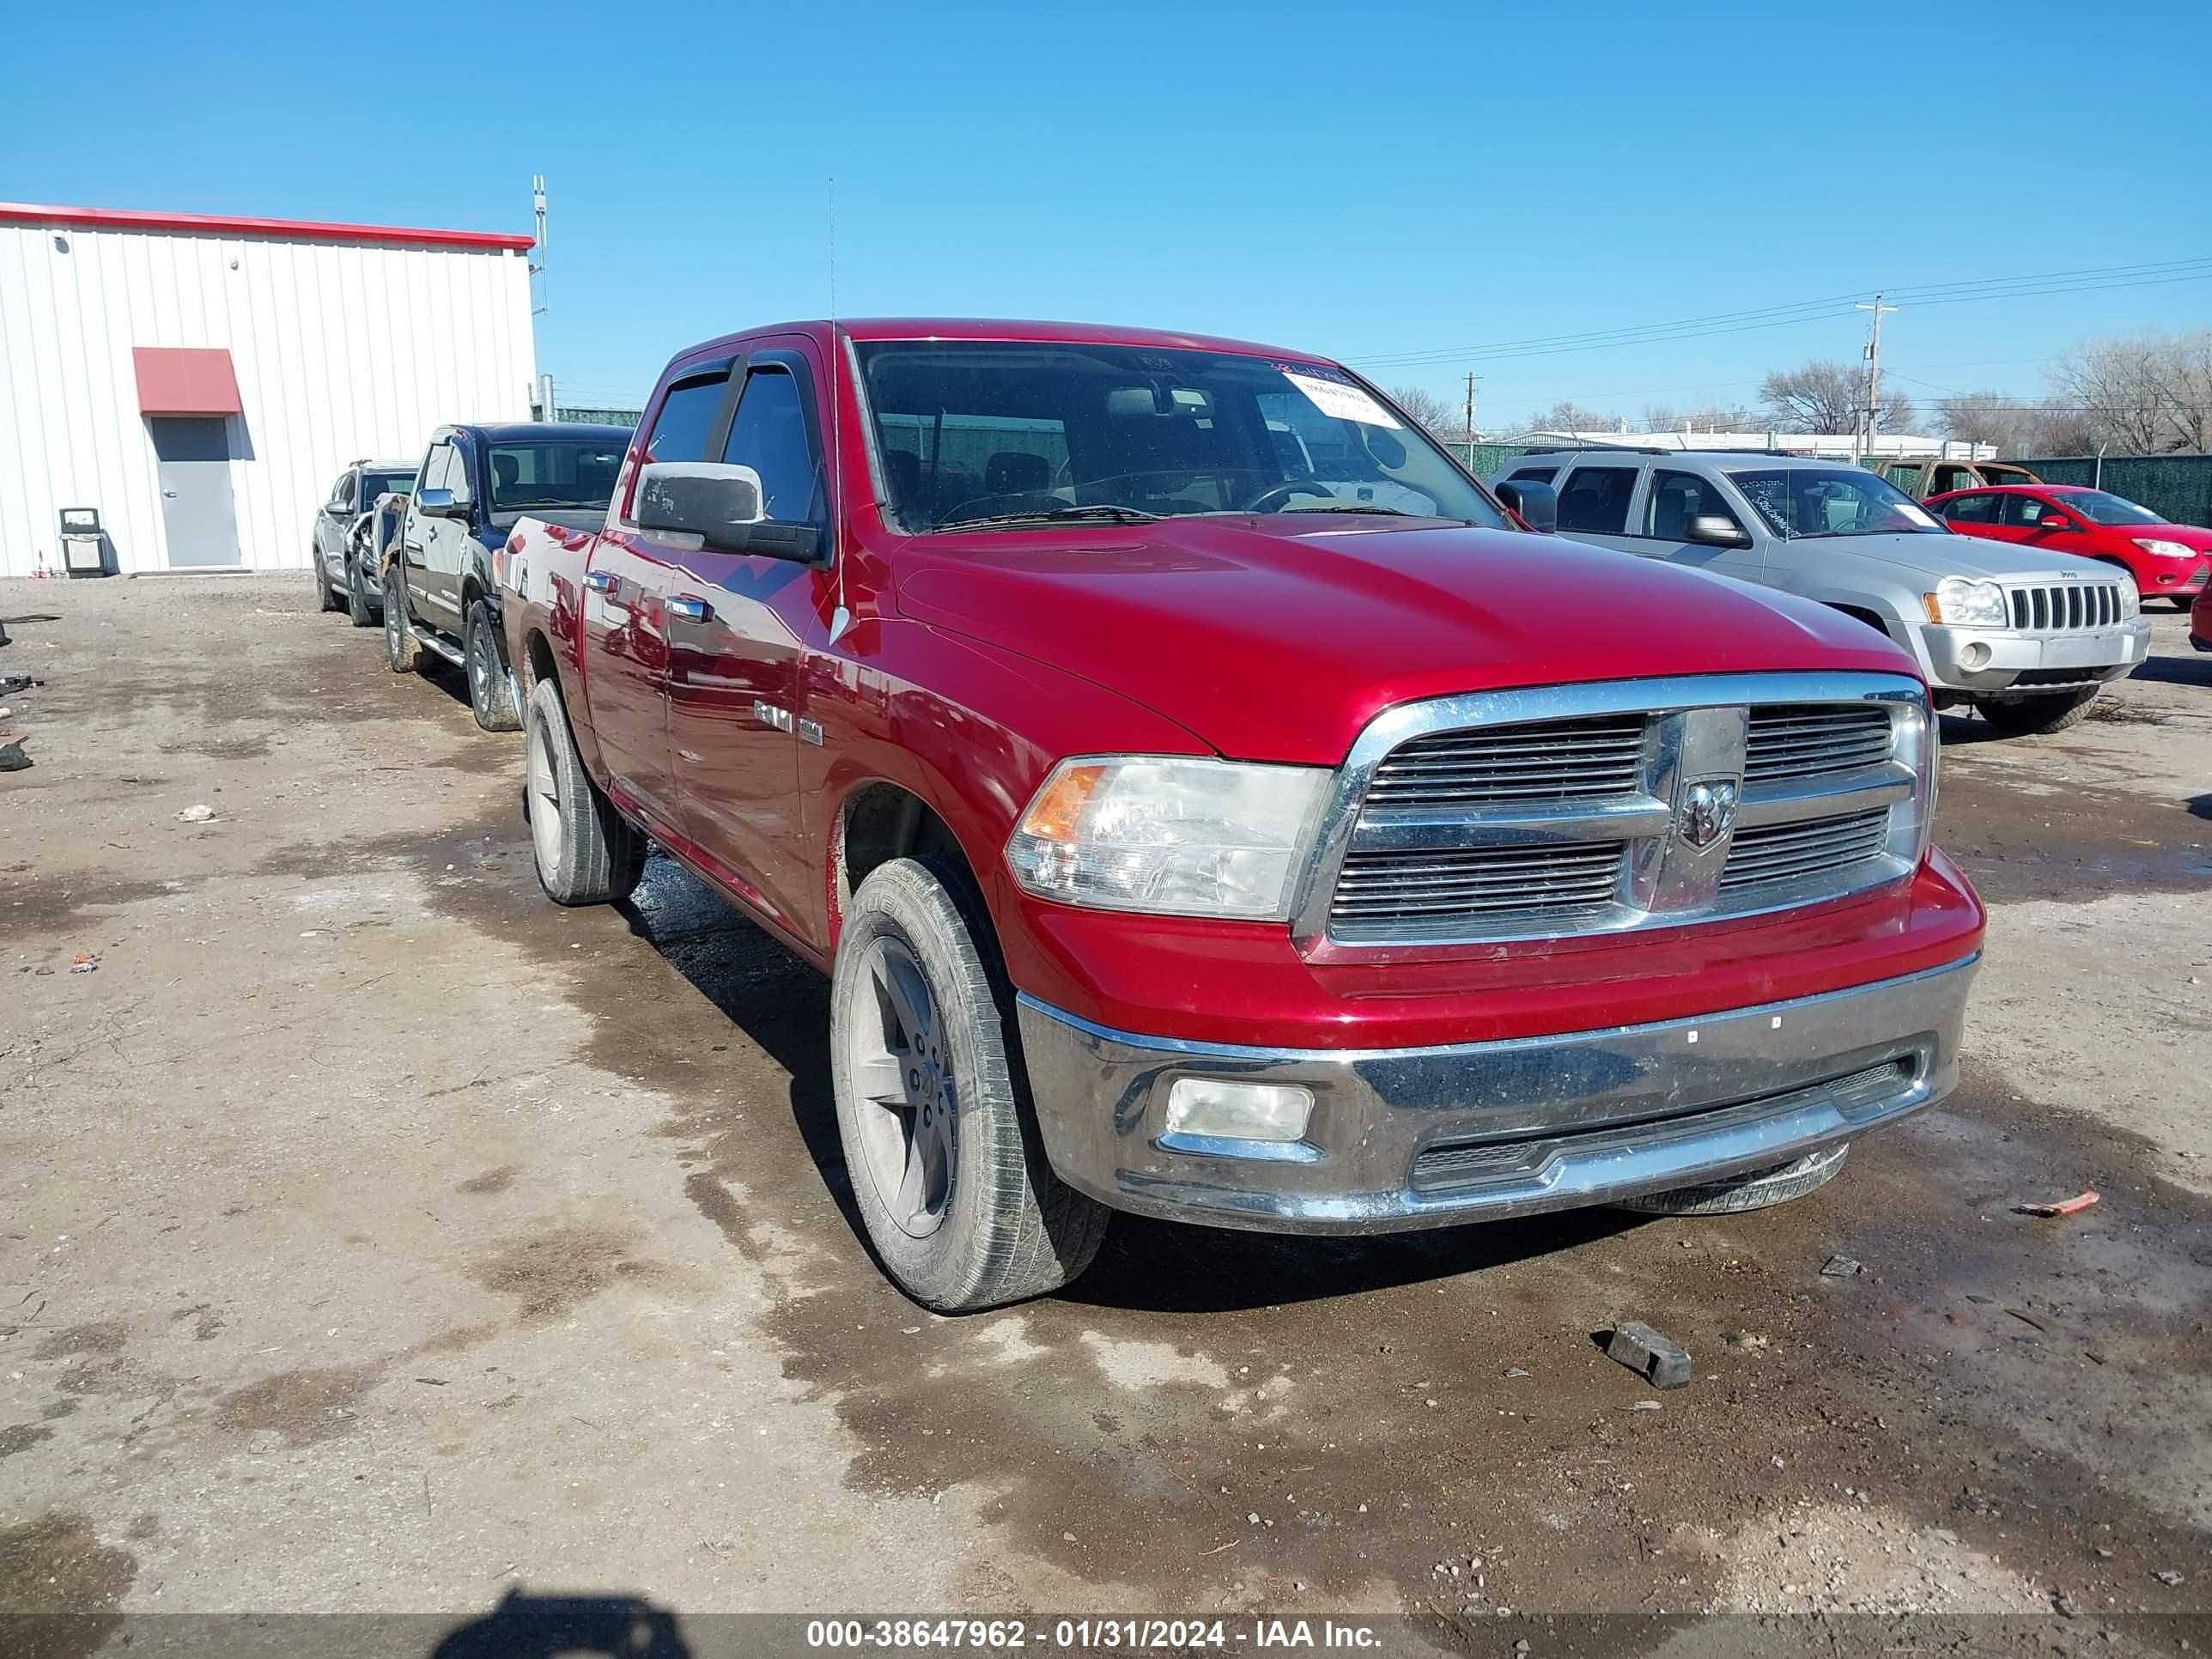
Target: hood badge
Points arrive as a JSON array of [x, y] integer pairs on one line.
[[1708, 811]]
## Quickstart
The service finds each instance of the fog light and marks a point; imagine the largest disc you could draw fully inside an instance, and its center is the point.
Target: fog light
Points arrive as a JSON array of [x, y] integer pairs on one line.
[[1975, 654], [1238, 1111]]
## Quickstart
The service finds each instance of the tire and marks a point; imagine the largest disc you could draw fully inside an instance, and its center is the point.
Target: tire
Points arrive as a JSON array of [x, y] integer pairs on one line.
[[363, 614], [586, 853], [2182, 601], [953, 1185], [325, 600], [1755, 1191], [491, 693], [2035, 716], [403, 652]]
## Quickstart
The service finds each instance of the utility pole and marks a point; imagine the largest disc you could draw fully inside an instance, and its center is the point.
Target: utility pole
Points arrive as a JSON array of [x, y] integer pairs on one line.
[[1874, 373], [1470, 377]]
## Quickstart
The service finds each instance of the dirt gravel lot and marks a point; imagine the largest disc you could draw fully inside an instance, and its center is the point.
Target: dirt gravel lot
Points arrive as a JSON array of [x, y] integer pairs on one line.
[[376, 1236]]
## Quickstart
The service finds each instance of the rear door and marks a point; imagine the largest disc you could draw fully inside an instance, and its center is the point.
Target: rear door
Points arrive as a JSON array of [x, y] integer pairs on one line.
[[625, 634], [446, 541], [1974, 513], [740, 627], [1595, 497]]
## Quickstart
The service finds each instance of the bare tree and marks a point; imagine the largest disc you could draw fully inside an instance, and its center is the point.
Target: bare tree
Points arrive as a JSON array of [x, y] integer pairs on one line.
[[2151, 392], [1431, 413], [1564, 416], [1709, 417], [1828, 396], [1990, 417]]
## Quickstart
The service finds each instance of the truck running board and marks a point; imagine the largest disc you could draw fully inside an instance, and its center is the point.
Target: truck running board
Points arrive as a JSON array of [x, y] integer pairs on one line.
[[430, 642]]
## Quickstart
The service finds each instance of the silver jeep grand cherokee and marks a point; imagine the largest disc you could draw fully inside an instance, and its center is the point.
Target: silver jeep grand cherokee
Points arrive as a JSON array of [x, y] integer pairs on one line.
[[2028, 638]]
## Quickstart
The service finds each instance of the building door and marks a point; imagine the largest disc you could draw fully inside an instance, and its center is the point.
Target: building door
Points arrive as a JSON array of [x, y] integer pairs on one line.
[[194, 452]]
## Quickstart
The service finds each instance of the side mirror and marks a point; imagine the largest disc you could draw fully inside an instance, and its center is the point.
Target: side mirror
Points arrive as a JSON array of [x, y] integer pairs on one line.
[[721, 504], [440, 504], [2053, 522], [1715, 530], [1536, 505]]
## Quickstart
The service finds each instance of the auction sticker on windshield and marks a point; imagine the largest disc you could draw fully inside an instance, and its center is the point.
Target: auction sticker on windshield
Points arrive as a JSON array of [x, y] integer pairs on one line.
[[1912, 514], [1340, 402]]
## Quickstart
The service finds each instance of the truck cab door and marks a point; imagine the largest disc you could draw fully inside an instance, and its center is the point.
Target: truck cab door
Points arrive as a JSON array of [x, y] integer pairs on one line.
[[740, 628], [625, 611], [445, 540]]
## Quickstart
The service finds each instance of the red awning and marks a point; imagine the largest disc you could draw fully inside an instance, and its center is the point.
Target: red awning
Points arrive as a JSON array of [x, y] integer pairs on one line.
[[186, 381]]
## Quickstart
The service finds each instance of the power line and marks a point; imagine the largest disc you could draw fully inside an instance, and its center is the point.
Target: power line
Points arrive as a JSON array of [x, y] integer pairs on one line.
[[1806, 311]]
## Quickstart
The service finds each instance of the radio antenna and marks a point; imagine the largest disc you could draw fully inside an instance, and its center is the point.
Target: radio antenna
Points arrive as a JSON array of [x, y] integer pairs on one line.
[[538, 210]]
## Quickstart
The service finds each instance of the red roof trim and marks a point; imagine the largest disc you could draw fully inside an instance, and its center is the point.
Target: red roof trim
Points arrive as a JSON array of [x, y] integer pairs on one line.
[[212, 224]]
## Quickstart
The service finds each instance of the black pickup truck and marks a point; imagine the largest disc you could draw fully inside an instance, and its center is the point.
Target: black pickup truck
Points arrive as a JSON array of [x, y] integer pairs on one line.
[[439, 599]]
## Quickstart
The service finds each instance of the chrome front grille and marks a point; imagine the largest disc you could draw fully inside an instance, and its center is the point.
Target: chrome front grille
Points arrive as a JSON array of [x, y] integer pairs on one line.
[[1595, 809], [1812, 740], [2052, 607], [1383, 895], [1567, 760], [1772, 853]]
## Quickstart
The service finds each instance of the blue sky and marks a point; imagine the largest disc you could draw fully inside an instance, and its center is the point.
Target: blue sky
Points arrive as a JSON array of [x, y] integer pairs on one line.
[[1364, 180]]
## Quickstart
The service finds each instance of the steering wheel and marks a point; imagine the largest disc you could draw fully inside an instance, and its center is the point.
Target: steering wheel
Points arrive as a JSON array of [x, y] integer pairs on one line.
[[1275, 499]]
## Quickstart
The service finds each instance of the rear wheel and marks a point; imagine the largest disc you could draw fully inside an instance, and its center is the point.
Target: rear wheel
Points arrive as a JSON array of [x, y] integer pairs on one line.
[[325, 600], [2033, 716], [403, 652], [359, 606], [954, 1190], [1755, 1191], [586, 853], [491, 693]]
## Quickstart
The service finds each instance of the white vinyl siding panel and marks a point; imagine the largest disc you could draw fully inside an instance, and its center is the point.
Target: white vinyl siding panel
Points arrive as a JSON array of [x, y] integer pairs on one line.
[[342, 350]]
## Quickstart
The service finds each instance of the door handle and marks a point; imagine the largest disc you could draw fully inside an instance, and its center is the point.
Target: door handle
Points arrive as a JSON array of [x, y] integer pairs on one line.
[[689, 607], [599, 582]]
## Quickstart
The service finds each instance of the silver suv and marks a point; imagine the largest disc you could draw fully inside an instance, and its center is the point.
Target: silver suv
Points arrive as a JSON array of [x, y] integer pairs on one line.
[[2026, 637]]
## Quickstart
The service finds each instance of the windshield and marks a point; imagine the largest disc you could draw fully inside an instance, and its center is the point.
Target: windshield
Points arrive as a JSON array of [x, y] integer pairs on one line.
[[374, 484], [2102, 507], [1799, 502], [1013, 433], [552, 472]]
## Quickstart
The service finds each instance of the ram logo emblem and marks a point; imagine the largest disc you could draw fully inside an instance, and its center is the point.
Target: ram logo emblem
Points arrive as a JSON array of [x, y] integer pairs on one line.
[[1708, 811]]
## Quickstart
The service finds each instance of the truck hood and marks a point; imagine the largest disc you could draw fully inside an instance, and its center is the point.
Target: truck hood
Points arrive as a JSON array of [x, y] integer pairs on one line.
[[1279, 639], [1937, 556]]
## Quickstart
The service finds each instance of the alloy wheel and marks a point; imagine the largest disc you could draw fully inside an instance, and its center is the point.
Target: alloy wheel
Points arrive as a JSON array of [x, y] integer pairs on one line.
[[909, 1102]]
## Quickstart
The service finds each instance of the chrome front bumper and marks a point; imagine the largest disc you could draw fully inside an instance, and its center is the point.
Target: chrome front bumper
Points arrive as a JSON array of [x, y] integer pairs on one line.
[[1999, 656], [1427, 1137]]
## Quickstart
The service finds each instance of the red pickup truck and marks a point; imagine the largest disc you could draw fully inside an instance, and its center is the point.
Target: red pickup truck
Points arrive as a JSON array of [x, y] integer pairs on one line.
[[1209, 802]]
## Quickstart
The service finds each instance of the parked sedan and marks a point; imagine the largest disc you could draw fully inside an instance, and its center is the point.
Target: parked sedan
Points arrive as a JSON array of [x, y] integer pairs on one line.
[[2168, 561]]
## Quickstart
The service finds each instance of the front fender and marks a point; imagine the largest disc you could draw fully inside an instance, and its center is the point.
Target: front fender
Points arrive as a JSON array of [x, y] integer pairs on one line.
[[968, 730]]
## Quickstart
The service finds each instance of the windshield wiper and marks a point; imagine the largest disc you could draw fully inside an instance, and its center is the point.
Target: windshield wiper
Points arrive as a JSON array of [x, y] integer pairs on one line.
[[1357, 507], [1092, 514]]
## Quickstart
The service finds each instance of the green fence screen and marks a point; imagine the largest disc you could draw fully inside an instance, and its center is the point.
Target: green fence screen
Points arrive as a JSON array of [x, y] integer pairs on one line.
[[2178, 487]]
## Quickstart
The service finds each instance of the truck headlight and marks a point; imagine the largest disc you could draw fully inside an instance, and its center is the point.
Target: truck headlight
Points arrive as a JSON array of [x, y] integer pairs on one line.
[[1169, 835], [1914, 745], [2131, 600], [2164, 550], [1960, 602]]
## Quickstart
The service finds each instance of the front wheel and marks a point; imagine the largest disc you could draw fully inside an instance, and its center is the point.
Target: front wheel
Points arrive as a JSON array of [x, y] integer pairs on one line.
[[2028, 717], [586, 851], [325, 600], [954, 1190], [491, 693], [359, 606]]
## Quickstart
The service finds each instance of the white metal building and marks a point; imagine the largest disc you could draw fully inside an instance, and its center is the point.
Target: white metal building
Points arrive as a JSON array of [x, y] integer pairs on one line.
[[200, 382]]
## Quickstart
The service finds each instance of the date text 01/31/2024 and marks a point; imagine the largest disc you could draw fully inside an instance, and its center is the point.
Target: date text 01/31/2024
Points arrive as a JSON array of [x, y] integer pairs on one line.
[[1079, 1635]]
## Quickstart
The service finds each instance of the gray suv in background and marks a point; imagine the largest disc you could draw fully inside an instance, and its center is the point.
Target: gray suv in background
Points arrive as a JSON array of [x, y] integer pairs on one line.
[[2026, 637], [344, 581]]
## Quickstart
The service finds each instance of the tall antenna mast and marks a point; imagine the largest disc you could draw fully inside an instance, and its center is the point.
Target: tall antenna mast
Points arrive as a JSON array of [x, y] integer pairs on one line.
[[833, 247], [538, 210]]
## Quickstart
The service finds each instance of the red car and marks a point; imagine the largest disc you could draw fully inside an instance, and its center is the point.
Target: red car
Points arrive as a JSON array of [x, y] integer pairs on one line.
[[1207, 804], [2168, 561]]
